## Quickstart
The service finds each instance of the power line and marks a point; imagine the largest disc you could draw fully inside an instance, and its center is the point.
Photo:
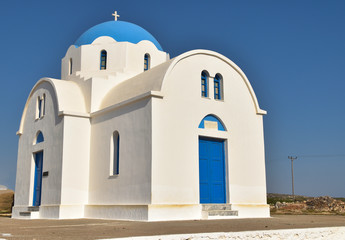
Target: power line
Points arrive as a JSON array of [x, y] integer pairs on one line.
[[280, 159], [308, 156], [321, 155], [293, 190]]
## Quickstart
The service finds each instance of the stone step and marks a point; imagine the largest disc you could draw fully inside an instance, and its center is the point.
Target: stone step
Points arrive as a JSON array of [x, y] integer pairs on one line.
[[25, 214], [212, 207], [223, 213], [33, 209]]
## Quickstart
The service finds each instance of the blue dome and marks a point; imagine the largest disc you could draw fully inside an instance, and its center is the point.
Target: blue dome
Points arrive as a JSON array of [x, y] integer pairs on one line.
[[119, 31]]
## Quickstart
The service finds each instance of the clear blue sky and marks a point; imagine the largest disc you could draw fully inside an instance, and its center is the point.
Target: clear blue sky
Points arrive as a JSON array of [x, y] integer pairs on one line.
[[292, 51]]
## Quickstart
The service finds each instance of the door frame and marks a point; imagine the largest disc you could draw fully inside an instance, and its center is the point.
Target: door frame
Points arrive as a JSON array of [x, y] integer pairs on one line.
[[225, 165], [36, 179]]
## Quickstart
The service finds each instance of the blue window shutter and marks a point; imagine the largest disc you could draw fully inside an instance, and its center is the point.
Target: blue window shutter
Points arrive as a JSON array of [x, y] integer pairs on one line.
[[217, 87], [204, 84], [103, 64], [146, 62], [116, 153]]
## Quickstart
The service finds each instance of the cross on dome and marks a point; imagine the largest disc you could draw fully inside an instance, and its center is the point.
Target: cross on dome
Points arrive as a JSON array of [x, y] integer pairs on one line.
[[115, 15]]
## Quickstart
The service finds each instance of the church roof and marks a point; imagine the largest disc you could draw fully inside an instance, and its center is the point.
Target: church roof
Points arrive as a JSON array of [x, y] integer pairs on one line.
[[153, 81], [143, 83], [69, 98], [118, 30]]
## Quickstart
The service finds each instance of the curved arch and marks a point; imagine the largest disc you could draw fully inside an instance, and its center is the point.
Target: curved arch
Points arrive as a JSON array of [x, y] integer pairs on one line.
[[213, 122], [223, 58], [205, 72], [68, 97], [39, 137]]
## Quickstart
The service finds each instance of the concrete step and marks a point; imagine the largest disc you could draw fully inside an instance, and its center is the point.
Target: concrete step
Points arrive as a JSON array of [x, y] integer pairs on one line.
[[223, 213], [32, 212], [25, 214], [212, 207], [29, 214], [221, 210], [33, 209]]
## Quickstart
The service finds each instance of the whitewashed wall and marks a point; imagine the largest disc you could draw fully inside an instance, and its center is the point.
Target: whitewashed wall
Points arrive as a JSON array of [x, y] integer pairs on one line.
[[159, 163], [51, 126], [176, 119], [75, 167], [132, 186], [124, 60]]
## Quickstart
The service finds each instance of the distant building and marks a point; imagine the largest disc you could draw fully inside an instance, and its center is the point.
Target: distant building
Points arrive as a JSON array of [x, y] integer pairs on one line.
[[128, 133], [2, 187]]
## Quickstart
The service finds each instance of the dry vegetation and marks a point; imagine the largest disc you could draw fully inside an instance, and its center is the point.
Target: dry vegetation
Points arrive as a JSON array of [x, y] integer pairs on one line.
[[285, 204], [6, 202]]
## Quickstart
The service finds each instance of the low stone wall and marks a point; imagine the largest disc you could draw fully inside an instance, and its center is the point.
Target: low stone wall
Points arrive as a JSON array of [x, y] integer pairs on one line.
[[330, 233]]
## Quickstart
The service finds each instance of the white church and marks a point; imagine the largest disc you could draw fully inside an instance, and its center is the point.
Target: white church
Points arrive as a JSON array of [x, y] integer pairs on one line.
[[128, 133]]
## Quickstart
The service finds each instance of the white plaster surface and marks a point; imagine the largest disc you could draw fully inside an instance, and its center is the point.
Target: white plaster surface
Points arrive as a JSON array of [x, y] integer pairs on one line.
[[330, 233], [132, 186], [156, 113], [50, 125], [123, 212], [246, 181]]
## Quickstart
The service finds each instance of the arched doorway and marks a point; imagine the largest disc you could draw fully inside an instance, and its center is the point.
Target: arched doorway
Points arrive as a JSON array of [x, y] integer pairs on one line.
[[38, 160], [212, 181]]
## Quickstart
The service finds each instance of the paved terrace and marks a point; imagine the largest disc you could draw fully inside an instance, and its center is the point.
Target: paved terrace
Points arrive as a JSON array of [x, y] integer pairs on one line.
[[98, 229]]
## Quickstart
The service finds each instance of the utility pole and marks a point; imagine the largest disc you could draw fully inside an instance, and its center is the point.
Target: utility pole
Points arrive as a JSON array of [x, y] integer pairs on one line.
[[293, 190]]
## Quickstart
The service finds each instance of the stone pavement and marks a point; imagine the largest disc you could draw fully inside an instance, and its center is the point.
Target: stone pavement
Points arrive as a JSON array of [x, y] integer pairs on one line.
[[328, 233], [102, 229]]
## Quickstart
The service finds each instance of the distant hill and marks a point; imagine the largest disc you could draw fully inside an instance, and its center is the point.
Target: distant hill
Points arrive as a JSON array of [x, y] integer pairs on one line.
[[272, 198], [2, 187]]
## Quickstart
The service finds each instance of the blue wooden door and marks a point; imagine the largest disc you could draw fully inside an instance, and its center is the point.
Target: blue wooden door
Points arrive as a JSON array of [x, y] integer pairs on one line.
[[38, 178], [211, 171]]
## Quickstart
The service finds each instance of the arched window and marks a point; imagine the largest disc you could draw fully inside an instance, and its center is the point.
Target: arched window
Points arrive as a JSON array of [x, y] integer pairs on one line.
[[40, 106], [212, 122], [103, 60], [218, 87], [43, 105], [39, 137], [70, 66], [146, 62], [115, 153], [204, 84]]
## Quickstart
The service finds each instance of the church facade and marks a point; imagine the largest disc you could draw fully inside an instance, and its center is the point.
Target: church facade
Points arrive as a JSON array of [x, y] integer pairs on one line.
[[128, 133]]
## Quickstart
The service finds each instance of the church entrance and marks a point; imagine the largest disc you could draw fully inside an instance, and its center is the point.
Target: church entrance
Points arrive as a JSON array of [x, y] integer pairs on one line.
[[38, 178], [211, 170]]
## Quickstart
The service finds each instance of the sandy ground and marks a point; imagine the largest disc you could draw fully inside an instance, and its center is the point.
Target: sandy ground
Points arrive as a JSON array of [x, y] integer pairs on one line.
[[97, 229]]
